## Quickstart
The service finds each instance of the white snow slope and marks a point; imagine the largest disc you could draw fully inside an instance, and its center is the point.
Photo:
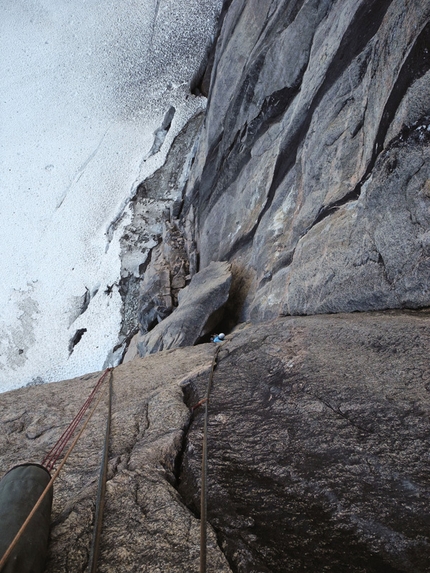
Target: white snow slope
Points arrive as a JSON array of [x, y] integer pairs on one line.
[[83, 86]]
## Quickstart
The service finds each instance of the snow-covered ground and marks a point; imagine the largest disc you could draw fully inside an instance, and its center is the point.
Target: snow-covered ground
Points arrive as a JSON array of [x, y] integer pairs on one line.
[[83, 87]]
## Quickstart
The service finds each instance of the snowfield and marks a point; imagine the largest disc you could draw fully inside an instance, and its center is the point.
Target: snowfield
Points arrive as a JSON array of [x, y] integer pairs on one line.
[[84, 85]]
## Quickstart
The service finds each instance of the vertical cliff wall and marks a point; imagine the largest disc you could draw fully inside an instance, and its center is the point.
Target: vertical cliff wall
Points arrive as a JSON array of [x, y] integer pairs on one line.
[[312, 174], [309, 176]]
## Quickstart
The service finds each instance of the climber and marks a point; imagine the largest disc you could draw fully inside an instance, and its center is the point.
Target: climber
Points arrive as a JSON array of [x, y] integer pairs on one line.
[[218, 337]]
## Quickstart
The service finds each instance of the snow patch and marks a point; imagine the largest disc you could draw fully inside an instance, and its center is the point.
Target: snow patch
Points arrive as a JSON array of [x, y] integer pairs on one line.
[[84, 87]]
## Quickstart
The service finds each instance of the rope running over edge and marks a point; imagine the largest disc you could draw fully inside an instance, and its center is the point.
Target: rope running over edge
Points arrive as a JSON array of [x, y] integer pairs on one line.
[[48, 487], [203, 496]]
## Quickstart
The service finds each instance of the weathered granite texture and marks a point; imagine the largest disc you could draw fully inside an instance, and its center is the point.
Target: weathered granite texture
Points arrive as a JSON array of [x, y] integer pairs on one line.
[[308, 189], [312, 171], [154, 211], [146, 526], [319, 447], [200, 309], [319, 443]]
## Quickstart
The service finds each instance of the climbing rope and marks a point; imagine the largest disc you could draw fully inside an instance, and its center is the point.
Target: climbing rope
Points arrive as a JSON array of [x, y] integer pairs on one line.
[[203, 493], [53, 477], [52, 457], [101, 490]]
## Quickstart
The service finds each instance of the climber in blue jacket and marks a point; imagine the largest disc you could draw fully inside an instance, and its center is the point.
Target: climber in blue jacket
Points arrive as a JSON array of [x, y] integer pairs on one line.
[[219, 337]]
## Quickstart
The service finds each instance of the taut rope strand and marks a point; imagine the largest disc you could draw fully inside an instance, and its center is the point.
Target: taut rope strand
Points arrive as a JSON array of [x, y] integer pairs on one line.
[[52, 457], [203, 495], [101, 490]]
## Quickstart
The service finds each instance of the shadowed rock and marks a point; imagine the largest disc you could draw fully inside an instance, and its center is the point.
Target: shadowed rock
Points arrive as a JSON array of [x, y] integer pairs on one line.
[[310, 176], [318, 445], [318, 452], [312, 167]]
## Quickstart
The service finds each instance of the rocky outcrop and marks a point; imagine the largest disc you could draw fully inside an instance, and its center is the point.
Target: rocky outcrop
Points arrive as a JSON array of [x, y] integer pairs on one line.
[[318, 445], [154, 261], [310, 174], [313, 164], [164, 278], [200, 309], [305, 191]]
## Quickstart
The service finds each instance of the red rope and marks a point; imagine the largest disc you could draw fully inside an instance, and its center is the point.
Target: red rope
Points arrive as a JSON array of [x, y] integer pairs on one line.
[[52, 457]]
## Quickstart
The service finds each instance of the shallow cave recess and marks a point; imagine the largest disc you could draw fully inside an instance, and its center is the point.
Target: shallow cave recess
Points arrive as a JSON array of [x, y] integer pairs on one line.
[[224, 324], [230, 314]]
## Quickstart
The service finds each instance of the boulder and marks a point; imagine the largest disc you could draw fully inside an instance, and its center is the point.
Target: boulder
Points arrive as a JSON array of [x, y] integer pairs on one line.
[[200, 309]]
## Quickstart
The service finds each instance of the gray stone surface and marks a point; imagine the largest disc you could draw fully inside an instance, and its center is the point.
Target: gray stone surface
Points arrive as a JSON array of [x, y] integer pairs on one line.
[[200, 309], [371, 253], [153, 220], [319, 445], [308, 192], [318, 452], [312, 168], [146, 526]]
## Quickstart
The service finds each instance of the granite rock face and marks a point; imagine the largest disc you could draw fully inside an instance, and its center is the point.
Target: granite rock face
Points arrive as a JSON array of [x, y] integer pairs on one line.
[[153, 263], [146, 526], [318, 452], [306, 190], [318, 445], [312, 171]]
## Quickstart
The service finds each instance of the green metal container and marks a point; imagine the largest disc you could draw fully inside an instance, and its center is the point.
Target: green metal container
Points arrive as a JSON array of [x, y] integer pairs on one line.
[[20, 489]]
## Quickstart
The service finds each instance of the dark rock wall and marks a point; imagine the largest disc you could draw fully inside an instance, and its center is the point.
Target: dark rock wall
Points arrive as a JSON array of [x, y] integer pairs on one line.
[[318, 452], [312, 172], [318, 445]]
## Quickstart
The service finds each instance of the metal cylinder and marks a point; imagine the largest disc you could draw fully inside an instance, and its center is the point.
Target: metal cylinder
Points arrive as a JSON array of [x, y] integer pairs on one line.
[[20, 489]]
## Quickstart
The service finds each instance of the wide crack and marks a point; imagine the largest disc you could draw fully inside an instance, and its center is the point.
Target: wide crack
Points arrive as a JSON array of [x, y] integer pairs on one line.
[[192, 397]]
